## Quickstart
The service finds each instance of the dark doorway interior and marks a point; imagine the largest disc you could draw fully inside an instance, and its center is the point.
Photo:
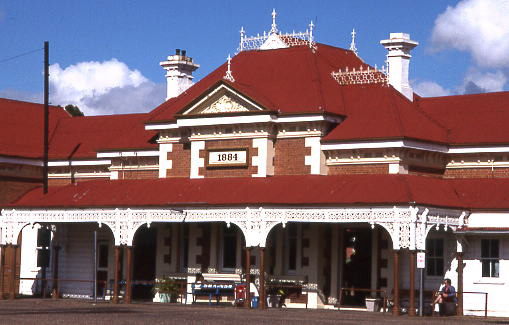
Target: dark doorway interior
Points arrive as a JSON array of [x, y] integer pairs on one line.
[[357, 265], [144, 262]]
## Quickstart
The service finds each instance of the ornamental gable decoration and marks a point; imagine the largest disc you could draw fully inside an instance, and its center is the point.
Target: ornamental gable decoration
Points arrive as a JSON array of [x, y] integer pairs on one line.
[[221, 100], [225, 104]]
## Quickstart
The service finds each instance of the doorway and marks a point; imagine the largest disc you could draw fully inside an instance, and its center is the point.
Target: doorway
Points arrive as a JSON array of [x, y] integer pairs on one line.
[[144, 270], [356, 265]]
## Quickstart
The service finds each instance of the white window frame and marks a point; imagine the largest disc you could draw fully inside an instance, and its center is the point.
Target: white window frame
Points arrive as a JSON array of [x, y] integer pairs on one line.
[[488, 259]]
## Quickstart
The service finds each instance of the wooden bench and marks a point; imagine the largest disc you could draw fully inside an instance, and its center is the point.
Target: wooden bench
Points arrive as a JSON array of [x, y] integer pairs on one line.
[[293, 287], [404, 298], [215, 285]]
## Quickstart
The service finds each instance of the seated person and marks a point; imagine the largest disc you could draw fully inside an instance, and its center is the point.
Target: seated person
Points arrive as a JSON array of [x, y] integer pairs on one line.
[[446, 294]]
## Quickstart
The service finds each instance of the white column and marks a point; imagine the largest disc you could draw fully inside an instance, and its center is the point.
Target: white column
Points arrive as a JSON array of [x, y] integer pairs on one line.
[[374, 260], [164, 163], [280, 255], [317, 158], [334, 266], [214, 248], [196, 161]]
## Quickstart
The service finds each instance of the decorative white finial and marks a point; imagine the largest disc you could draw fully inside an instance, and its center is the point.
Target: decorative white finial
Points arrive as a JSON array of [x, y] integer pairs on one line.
[[242, 36], [311, 25], [353, 48], [228, 75], [273, 29]]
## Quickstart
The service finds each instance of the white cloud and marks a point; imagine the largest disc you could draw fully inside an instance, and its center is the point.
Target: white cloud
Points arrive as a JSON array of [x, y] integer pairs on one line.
[[476, 81], [480, 27], [430, 89], [103, 88]]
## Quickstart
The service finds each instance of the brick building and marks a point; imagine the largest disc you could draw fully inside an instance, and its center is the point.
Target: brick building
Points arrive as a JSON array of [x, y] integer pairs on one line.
[[293, 162]]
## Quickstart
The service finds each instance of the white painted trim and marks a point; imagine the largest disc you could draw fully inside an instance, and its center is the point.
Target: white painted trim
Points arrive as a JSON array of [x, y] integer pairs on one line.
[[164, 163], [196, 161], [80, 175], [59, 163], [221, 120], [230, 136], [410, 144], [482, 164], [478, 149], [137, 153], [161, 126], [264, 158], [362, 161], [307, 118], [316, 160], [134, 168], [21, 161], [217, 121], [298, 134]]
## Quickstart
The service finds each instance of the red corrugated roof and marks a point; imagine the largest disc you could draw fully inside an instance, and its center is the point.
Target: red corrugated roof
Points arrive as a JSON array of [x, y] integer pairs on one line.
[[21, 132], [292, 80], [297, 80], [381, 112], [279, 190], [90, 134], [471, 119], [22, 127]]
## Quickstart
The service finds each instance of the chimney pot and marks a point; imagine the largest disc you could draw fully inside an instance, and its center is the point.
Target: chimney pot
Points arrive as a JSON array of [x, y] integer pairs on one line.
[[179, 73]]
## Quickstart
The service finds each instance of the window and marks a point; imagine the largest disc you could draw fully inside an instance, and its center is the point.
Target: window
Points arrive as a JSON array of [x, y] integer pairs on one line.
[[490, 258], [434, 257]]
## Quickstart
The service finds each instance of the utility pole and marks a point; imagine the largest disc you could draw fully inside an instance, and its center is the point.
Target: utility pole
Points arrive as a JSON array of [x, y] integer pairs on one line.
[[46, 119]]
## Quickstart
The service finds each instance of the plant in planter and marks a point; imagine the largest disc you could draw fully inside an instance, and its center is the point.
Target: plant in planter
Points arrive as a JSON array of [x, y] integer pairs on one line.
[[166, 288]]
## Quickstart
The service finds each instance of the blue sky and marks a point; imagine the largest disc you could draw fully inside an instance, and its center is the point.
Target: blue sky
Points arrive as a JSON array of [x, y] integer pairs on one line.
[[464, 45]]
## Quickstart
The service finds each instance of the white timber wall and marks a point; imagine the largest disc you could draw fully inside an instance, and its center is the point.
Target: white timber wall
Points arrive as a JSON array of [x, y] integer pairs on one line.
[[28, 267], [497, 288], [76, 259]]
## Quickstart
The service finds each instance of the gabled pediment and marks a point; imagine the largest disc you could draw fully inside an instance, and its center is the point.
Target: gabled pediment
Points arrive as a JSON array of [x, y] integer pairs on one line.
[[220, 100], [273, 42]]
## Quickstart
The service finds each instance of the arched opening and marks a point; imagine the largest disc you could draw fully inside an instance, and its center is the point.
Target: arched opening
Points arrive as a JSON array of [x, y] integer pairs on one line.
[[338, 259], [144, 262]]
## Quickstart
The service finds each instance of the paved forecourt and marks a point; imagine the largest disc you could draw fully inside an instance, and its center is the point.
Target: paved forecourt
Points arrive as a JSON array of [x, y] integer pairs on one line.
[[40, 312]]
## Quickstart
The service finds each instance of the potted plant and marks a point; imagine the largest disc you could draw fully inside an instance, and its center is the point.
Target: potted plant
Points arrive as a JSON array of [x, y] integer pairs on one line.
[[166, 288]]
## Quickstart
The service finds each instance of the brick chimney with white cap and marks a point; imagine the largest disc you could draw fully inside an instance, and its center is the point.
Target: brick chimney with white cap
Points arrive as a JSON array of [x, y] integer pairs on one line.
[[398, 59], [179, 75]]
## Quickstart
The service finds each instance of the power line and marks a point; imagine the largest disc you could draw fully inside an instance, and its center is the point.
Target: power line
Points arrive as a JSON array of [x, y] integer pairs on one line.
[[20, 55]]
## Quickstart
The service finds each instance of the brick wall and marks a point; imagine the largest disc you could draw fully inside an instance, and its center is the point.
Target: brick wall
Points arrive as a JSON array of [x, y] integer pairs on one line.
[[476, 173], [230, 171], [425, 171], [138, 174], [181, 161], [289, 157], [359, 169]]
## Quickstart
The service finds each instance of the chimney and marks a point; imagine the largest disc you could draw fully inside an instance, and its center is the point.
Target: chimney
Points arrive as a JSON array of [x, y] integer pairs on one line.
[[179, 73], [398, 59]]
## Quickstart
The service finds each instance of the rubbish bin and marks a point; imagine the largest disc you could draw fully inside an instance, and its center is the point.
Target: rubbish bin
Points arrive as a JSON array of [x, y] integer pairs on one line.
[[254, 302]]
